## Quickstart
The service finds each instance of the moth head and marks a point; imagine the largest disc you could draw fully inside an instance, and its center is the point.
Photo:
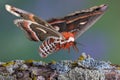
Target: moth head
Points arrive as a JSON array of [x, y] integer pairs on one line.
[[71, 39]]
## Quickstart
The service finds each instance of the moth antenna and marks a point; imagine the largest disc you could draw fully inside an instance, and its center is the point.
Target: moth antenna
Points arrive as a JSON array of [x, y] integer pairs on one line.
[[80, 44], [75, 46]]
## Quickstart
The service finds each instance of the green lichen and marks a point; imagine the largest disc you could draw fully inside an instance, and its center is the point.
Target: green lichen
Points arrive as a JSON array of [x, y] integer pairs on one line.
[[8, 63]]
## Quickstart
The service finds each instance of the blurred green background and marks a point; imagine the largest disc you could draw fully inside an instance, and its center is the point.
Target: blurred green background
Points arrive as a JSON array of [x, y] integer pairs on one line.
[[102, 41]]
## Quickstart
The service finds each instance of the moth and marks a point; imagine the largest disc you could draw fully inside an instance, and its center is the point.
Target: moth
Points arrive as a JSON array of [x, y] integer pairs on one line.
[[56, 33]]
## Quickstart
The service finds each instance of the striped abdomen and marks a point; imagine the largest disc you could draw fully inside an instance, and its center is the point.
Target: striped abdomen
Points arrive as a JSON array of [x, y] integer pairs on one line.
[[53, 44], [49, 46]]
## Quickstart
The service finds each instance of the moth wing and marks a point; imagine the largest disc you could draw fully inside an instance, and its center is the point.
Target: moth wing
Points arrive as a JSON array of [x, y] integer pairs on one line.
[[79, 21], [26, 15], [35, 31]]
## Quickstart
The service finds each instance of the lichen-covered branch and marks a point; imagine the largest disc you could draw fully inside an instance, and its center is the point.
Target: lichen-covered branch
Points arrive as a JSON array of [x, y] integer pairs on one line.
[[84, 68]]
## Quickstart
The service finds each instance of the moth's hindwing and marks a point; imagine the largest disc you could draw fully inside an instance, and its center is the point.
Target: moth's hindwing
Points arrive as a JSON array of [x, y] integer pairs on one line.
[[79, 21], [35, 31]]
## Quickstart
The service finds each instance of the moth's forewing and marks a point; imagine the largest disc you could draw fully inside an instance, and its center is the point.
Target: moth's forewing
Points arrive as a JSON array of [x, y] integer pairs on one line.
[[31, 24], [35, 31], [26, 15], [79, 21], [59, 24]]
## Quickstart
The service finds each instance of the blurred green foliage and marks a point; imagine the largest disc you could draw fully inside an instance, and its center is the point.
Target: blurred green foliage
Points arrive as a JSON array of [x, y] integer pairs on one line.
[[102, 41]]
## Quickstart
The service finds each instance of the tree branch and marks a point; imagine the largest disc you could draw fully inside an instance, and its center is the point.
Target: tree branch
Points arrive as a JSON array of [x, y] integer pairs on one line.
[[84, 68]]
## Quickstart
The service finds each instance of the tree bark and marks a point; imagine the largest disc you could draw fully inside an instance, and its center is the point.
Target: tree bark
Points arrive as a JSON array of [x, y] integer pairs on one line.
[[84, 68]]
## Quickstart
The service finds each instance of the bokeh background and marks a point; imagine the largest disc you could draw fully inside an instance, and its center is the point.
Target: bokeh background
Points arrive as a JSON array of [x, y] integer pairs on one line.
[[102, 41]]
